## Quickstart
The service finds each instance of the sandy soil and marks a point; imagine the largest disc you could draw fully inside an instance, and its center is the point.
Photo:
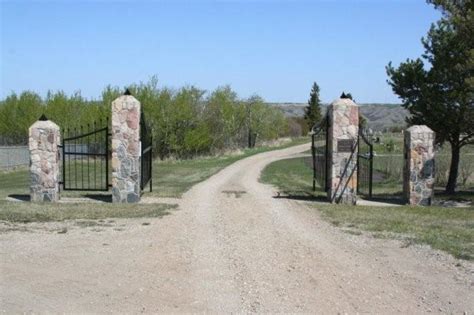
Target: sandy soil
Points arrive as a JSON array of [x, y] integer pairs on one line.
[[231, 247]]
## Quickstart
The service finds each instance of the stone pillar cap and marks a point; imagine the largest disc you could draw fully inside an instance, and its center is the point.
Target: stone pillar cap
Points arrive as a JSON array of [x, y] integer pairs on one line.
[[45, 124], [419, 129], [343, 102], [126, 96]]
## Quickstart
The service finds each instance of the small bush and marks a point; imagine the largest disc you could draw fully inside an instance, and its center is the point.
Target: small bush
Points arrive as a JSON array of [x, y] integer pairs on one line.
[[185, 122]]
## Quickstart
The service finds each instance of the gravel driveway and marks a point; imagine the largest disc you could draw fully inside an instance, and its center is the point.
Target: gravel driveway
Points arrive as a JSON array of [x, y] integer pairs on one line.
[[230, 247]]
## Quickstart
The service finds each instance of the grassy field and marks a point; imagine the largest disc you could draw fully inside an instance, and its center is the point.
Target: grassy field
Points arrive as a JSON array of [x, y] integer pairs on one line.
[[14, 182], [36, 212], [447, 229], [388, 169], [171, 178], [88, 171], [17, 183], [293, 178]]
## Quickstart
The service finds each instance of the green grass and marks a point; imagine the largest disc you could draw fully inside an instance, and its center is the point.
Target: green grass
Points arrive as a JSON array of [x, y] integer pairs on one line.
[[91, 171], [447, 229], [15, 182], [464, 195], [389, 145], [26, 212], [444, 228], [293, 177], [172, 178]]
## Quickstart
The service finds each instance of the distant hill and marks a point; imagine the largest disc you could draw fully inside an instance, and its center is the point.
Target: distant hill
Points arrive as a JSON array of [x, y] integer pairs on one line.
[[379, 116]]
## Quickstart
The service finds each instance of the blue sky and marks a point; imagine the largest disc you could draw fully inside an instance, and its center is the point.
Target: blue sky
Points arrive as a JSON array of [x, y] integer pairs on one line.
[[273, 48]]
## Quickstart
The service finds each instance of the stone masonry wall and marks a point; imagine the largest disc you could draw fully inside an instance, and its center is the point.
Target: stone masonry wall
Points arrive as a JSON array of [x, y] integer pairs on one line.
[[342, 146], [126, 149], [419, 169], [44, 138]]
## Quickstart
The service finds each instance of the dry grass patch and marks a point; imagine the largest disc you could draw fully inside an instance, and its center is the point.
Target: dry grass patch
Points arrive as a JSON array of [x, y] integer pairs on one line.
[[26, 212], [446, 228]]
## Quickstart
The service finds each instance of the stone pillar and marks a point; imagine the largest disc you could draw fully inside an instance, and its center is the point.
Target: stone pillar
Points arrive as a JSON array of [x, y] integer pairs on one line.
[[419, 168], [43, 141], [342, 147], [126, 149]]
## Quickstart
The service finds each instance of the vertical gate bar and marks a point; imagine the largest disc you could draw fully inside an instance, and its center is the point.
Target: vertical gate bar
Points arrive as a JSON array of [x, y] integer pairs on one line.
[[101, 157], [64, 160], [142, 144], [107, 156], [95, 158], [151, 162], [313, 153], [88, 166], [358, 161], [141, 173], [81, 145], [326, 166], [69, 159], [371, 165], [75, 159]]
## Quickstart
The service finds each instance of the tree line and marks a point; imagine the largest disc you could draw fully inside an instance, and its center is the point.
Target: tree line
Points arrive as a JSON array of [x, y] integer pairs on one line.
[[185, 122], [438, 88]]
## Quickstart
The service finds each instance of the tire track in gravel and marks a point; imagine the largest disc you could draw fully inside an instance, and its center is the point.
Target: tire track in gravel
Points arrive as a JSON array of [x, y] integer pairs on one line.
[[276, 255]]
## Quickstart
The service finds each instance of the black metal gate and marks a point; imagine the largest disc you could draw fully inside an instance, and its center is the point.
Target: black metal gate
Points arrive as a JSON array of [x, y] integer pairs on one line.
[[146, 154], [365, 163], [319, 152], [85, 158]]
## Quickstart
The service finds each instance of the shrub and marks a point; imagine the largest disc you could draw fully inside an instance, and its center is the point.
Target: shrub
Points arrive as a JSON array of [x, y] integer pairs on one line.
[[185, 122]]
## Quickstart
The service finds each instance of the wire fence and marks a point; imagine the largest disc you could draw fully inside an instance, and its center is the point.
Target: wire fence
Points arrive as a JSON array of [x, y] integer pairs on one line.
[[12, 157]]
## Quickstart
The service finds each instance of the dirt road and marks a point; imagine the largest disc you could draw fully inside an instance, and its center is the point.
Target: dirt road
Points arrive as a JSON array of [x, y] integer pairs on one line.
[[230, 247]]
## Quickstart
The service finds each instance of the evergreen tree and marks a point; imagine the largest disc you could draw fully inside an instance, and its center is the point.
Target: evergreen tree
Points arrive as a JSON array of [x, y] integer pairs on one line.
[[313, 110], [441, 95]]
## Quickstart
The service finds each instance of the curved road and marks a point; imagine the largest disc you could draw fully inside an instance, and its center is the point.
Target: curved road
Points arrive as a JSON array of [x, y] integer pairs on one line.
[[231, 247]]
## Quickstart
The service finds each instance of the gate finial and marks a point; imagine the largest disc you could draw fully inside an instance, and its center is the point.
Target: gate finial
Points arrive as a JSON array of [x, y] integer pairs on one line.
[[127, 92]]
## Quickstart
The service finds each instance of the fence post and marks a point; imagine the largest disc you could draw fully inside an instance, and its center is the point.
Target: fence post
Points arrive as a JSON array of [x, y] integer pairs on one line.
[[43, 142], [126, 149], [343, 150], [419, 167]]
